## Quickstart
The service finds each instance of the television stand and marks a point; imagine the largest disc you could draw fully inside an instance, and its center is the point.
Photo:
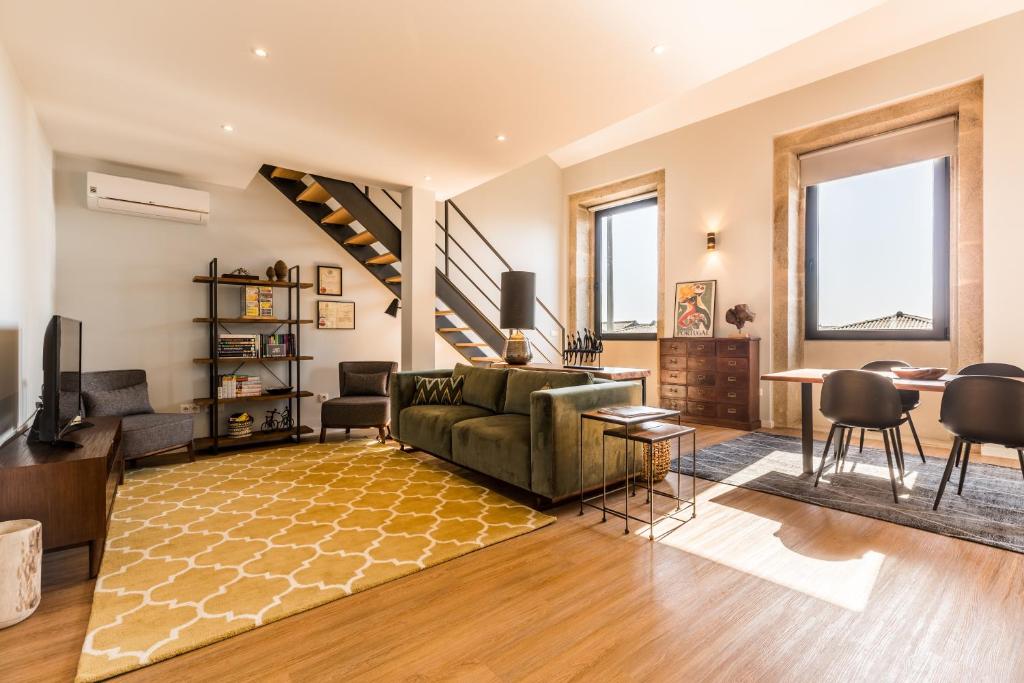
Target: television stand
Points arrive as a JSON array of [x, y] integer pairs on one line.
[[70, 491]]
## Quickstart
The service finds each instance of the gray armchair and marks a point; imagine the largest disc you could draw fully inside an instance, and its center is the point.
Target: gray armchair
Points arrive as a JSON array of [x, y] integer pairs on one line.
[[125, 393], [364, 388]]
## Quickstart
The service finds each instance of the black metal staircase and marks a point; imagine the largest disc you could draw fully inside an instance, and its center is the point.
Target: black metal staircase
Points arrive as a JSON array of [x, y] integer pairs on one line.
[[350, 216]]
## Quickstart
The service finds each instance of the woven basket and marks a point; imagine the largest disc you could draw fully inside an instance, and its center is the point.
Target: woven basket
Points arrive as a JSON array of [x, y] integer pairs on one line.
[[662, 459], [240, 428]]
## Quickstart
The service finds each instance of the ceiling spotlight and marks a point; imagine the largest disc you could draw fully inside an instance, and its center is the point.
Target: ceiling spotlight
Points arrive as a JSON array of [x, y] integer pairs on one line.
[[501, 137], [659, 49], [260, 52], [427, 178], [227, 127]]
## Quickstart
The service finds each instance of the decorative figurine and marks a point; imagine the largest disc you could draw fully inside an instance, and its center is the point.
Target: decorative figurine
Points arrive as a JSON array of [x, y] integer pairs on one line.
[[281, 269], [270, 273], [242, 274], [739, 315], [582, 350]]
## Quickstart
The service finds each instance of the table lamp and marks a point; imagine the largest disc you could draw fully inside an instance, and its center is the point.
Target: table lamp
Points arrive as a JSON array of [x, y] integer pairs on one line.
[[518, 297]]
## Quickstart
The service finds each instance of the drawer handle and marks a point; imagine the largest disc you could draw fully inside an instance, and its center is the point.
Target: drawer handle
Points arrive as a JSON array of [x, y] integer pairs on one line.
[[731, 347], [731, 394], [732, 363], [700, 377], [731, 410], [700, 347], [732, 379]]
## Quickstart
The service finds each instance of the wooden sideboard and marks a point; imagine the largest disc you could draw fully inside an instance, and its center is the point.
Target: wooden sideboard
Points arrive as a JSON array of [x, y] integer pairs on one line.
[[712, 381], [69, 491]]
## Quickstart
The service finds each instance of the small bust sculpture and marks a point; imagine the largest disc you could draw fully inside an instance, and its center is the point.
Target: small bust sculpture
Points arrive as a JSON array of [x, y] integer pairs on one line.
[[739, 315]]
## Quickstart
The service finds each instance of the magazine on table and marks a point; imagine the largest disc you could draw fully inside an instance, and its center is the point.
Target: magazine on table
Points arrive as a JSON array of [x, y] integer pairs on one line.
[[631, 411]]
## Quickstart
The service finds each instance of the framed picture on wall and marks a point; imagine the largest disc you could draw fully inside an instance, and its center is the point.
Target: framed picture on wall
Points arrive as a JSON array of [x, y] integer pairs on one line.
[[695, 308], [335, 315], [328, 280]]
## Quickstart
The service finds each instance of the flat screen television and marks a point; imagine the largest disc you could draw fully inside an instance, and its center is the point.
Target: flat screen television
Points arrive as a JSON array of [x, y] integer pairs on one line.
[[61, 407]]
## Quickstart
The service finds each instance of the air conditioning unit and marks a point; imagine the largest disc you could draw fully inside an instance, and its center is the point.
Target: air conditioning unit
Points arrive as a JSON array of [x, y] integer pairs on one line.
[[150, 200]]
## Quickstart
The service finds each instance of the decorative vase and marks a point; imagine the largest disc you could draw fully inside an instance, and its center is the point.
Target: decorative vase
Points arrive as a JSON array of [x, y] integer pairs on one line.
[[517, 349], [21, 557], [281, 269]]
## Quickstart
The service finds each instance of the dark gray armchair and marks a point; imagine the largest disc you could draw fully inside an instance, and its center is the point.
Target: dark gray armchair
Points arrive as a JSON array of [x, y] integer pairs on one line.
[[364, 402], [125, 393]]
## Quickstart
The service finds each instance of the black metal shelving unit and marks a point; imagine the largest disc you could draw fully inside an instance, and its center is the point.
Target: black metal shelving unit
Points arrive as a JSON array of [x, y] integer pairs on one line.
[[217, 325]]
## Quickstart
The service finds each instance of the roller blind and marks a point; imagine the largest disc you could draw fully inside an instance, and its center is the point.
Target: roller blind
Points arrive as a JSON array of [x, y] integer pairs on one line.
[[931, 140]]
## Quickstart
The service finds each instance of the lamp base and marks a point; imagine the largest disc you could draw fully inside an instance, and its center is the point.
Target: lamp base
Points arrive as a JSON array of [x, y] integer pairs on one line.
[[517, 349]]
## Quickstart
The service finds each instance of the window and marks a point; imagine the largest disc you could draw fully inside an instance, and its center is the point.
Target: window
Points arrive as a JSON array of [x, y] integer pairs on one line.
[[626, 270], [877, 243]]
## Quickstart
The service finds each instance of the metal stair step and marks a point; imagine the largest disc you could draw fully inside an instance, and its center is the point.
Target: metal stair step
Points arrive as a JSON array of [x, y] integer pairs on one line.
[[287, 173]]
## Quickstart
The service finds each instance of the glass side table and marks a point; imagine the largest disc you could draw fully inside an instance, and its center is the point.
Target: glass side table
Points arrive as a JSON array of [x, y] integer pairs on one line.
[[643, 427]]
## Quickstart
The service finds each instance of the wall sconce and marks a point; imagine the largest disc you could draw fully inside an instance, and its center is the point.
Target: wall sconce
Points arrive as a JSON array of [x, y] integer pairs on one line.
[[712, 241], [393, 308]]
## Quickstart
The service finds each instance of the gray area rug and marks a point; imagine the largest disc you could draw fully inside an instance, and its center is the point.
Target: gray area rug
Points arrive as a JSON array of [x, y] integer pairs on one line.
[[990, 511]]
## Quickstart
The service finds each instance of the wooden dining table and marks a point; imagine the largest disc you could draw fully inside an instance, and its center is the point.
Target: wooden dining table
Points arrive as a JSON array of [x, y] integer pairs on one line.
[[807, 377]]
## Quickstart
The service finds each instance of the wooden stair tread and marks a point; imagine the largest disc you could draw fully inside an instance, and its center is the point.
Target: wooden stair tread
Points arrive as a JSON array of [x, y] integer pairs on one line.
[[382, 260], [287, 173], [314, 193], [440, 313], [360, 239], [466, 345], [338, 217], [486, 359], [393, 280], [453, 329]]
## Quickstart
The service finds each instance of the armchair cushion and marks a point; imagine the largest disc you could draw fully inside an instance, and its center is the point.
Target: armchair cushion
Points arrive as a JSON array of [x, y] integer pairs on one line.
[[130, 400], [522, 383], [147, 433], [498, 445], [484, 387], [430, 427], [354, 411], [365, 384]]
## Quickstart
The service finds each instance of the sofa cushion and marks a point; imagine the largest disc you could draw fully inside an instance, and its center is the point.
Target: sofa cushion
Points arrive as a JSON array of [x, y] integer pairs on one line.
[[522, 383], [438, 391], [355, 411], [365, 384], [146, 433], [484, 387], [131, 400], [430, 427], [498, 445]]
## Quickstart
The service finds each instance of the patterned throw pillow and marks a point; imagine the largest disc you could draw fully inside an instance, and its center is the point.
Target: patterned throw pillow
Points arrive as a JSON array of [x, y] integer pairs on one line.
[[438, 391]]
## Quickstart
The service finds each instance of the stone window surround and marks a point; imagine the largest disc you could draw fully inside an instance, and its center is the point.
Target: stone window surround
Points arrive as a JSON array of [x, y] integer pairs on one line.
[[964, 100]]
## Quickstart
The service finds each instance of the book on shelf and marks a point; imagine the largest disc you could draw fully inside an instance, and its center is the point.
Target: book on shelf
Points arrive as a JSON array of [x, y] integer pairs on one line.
[[257, 301], [239, 386], [277, 345], [232, 346]]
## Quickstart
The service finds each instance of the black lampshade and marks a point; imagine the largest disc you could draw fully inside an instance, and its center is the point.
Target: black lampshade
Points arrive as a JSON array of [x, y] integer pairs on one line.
[[392, 308], [518, 296]]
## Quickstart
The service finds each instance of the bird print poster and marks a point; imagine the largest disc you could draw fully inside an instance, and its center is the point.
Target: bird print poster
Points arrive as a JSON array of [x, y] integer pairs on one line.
[[695, 309]]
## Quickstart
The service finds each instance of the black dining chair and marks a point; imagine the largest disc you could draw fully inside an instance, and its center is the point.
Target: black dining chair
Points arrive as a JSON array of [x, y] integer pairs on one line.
[[860, 399], [909, 398], [992, 370], [979, 409]]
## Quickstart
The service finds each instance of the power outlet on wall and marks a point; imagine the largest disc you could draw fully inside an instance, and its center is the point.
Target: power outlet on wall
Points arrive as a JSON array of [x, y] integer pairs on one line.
[[320, 398]]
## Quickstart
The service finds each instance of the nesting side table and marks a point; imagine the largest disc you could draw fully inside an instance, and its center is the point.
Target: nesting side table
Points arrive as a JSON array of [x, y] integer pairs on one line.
[[643, 427]]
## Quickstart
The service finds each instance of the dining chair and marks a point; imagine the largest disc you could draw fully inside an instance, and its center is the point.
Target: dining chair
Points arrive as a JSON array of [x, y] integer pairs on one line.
[[909, 398], [860, 399], [993, 370], [979, 409]]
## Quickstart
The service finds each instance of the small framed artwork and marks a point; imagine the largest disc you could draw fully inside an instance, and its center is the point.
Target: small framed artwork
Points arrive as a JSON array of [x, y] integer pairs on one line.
[[695, 309], [328, 280], [335, 315]]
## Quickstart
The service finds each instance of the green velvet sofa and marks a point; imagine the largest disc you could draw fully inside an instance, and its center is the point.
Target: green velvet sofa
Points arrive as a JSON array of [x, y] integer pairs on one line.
[[519, 426]]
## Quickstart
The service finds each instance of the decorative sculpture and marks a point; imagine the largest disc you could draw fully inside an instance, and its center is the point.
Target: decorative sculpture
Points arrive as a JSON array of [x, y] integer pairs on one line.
[[739, 315], [281, 270], [582, 350]]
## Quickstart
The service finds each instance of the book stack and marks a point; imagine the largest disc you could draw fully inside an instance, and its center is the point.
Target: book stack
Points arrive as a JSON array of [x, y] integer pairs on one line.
[[239, 386], [238, 346], [277, 345], [257, 302]]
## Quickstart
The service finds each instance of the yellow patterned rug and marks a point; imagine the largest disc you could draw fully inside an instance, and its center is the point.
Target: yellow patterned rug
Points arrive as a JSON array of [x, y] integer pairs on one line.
[[203, 551]]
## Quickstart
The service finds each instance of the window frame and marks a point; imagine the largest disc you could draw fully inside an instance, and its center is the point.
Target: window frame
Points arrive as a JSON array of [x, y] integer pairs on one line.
[[941, 235], [599, 257]]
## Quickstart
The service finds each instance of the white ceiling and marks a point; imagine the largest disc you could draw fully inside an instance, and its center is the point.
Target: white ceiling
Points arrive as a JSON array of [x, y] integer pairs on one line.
[[392, 91]]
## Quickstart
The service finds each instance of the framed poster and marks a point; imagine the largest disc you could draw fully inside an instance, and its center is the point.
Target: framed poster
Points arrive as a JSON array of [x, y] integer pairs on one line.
[[335, 315], [695, 309], [328, 280]]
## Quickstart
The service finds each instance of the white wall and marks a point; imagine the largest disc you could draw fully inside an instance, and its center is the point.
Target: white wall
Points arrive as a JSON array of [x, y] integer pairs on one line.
[[521, 213], [129, 280], [26, 250], [718, 174]]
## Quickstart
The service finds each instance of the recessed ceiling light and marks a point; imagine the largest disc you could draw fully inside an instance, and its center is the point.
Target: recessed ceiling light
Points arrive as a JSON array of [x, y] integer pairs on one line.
[[427, 178], [227, 127], [260, 52], [501, 137], [659, 49]]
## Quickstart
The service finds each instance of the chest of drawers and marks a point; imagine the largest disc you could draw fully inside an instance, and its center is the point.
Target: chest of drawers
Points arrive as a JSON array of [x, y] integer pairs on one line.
[[712, 381]]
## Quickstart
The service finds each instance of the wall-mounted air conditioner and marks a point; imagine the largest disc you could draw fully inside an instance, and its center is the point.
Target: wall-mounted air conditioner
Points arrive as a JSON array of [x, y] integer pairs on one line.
[[142, 198]]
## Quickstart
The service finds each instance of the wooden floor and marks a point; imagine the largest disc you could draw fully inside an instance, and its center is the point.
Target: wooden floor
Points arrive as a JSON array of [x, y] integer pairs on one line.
[[756, 588]]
